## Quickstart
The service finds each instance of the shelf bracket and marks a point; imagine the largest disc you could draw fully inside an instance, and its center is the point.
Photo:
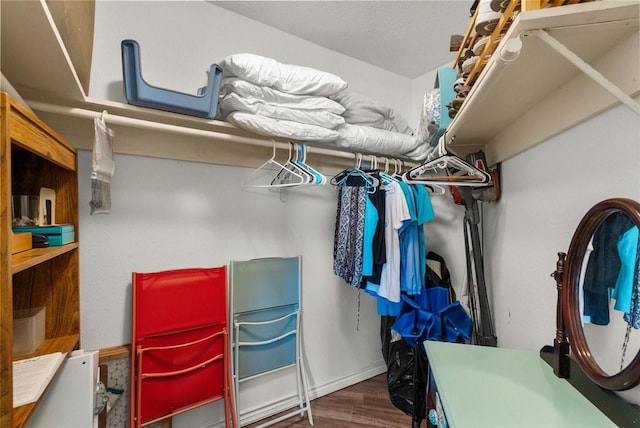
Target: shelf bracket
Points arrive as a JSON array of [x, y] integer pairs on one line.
[[596, 76]]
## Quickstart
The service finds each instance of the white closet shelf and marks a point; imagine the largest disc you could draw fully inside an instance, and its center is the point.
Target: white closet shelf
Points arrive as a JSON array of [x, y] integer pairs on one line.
[[39, 67], [509, 109], [156, 133], [516, 105], [33, 56]]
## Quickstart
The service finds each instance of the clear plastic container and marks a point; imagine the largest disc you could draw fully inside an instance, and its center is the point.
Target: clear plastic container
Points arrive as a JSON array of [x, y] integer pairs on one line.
[[28, 330], [26, 210]]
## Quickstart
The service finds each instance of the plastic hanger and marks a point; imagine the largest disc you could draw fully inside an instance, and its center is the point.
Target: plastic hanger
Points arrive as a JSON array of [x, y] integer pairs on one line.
[[263, 176], [291, 167], [433, 189], [386, 177], [370, 181], [446, 169], [398, 166], [301, 157]]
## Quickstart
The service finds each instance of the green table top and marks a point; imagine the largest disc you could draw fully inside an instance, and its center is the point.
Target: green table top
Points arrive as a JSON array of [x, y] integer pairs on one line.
[[494, 387]]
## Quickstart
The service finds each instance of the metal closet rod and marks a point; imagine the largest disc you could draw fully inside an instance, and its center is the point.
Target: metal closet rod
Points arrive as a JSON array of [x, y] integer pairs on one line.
[[177, 129]]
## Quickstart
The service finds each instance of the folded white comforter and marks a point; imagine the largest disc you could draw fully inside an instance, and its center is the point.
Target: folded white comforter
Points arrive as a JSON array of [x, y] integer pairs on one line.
[[353, 137], [249, 90], [263, 125], [280, 100], [293, 79], [234, 102], [379, 141], [362, 110]]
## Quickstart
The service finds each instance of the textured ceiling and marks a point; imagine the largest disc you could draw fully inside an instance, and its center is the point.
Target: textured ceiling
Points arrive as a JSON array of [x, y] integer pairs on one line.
[[408, 38]]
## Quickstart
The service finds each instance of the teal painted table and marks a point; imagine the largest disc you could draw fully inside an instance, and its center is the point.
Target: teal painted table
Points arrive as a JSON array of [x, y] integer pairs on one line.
[[493, 387]]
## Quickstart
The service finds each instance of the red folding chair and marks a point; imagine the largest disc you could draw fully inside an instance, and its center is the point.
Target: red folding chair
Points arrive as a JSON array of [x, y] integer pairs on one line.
[[180, 355]]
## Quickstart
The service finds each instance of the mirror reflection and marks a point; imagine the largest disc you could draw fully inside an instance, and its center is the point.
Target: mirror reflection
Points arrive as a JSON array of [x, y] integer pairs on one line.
[[610, 293]]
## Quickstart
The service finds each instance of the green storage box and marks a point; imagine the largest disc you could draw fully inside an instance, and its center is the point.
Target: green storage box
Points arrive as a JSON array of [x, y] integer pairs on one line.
[[59, 234]]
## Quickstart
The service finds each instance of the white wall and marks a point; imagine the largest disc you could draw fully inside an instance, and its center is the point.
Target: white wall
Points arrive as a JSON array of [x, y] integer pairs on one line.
[[169, 214], [180, 40], [546, 192]]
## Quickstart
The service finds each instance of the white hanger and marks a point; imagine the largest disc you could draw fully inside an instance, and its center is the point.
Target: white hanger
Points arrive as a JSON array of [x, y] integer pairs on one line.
[[265, 173], [445, 169], [433, 189], [384, 174], [291, 166]]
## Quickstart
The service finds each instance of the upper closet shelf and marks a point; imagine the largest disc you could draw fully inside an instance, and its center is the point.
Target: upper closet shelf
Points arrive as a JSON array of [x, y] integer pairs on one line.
[[510, 108], [46, 70], [33, 55], [518, 104]]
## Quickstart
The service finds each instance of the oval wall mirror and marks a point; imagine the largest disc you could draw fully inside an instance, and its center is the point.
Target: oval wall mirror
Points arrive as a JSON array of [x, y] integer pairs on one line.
[[601, 294]]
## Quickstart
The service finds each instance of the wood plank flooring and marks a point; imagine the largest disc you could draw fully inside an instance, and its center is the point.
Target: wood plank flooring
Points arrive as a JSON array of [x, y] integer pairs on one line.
[[365, 404]]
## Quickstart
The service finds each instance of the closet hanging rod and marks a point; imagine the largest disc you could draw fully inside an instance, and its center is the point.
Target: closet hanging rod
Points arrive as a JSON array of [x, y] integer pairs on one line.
[[177, 129]]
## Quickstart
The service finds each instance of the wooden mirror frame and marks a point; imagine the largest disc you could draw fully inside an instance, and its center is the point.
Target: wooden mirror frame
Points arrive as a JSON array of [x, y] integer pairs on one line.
[[630, 375]]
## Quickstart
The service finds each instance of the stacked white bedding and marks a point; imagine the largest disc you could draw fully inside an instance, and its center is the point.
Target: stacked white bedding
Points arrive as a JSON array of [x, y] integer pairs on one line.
[[375, 127], [364, 111], [269, 98]]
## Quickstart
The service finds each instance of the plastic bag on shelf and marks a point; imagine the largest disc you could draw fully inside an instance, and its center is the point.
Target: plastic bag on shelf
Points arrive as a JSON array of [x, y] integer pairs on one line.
[[102, 168], [429, 117]]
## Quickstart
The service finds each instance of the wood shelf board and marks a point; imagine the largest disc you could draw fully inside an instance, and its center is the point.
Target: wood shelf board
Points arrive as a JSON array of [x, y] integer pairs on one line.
[[114, 353], [37, 65], [75, 21], [30, 258], [27, 131], [502, 97], [34, 60], [63, 344]]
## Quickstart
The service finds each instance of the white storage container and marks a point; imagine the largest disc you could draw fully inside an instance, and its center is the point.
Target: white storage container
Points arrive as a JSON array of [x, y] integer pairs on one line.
[[28, 330]]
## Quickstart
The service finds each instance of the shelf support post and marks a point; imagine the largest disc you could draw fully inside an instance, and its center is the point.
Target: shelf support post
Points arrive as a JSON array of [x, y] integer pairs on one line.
[[595, 75]]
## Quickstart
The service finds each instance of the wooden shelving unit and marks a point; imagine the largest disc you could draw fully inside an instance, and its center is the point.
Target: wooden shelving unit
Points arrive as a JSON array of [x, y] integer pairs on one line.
[[35, 256], [32, 156]]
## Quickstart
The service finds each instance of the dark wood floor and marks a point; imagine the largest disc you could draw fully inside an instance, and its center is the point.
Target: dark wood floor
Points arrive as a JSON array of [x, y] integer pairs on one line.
[[365, 404]]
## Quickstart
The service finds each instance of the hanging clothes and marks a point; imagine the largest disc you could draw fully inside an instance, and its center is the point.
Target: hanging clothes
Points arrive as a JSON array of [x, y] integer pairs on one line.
[[349, 235], [603, 267], [353, 227], [627, 252], [396, 213], [424, 214], [632, 317], [379, 240], [410, 281], [371, 219], [379, 250]]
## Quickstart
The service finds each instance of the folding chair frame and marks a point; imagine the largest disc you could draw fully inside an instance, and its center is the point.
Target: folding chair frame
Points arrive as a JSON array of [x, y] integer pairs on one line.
[[189, 354]]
